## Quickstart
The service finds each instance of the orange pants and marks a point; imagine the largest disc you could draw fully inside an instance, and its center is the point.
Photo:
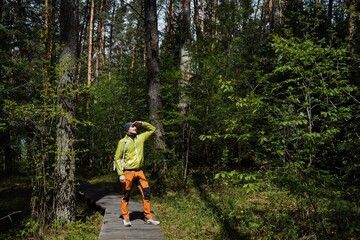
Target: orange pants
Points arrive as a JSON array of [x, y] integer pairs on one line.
[[138, 177]]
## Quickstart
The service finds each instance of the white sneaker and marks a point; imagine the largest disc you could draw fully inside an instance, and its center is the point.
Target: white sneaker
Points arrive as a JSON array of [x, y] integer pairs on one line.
[[152, 221], [127, 222]]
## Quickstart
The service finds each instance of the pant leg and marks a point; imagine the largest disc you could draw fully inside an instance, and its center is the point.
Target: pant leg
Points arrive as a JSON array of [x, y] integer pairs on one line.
[[143, 186], [125, 196]]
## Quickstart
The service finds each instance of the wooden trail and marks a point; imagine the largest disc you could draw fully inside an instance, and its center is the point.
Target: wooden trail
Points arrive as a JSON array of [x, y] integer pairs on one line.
[[113, 227]]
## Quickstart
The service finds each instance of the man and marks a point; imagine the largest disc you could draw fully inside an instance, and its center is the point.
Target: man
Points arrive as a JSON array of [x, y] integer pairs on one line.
[[129, 164]]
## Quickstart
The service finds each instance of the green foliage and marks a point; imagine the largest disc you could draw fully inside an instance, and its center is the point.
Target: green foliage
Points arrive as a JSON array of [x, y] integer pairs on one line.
[[78, 230], [250, 182]]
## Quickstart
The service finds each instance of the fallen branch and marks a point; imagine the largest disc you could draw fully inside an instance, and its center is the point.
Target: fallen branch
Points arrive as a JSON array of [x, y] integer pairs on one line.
[[8, 216]]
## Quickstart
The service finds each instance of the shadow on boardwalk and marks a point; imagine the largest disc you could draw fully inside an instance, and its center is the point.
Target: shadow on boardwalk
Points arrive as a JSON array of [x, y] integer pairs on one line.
[[112, 227]]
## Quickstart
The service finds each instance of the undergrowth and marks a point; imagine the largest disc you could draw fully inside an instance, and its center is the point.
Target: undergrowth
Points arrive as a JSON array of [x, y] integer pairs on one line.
[[15, 197]]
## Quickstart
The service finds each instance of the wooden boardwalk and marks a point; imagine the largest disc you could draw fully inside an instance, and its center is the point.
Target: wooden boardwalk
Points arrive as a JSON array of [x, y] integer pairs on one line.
[[113, 227]]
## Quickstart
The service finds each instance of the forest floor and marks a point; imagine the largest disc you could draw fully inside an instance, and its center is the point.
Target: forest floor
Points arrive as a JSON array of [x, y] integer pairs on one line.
[[202, 210], [15, 192], [215, 211]]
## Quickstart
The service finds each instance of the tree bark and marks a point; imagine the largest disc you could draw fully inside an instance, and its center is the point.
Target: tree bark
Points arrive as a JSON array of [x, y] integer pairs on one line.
[[82, 39], [111, 39], [202, 15], [64, 200], [263, 16], [197, 19], [153, 68], [136, 39], [271, 15], [185, 32], [214, 29], [280, 13], [170, 20], [90, 55], [330, 10], [257, 8], [98, 41], [103, 40], [352, 26]]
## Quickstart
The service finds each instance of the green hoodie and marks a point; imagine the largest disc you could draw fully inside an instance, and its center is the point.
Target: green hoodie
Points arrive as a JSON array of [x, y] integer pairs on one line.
[[134, 155]]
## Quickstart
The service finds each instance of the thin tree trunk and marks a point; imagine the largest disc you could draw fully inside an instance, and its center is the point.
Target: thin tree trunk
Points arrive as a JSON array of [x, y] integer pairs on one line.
[[144, 54], [136, 39], [214, 29], [202, 15], [46, 42], [184, 82], [90, 55], [103, 41], [280, 13], [46, 28], [111, 39], [64, 200], [184, 57], [52, 29], [121, 57], [83, 33], [196, 19], [98, 41], [352, 26], [84, 24], [330, 10], [257, 8], [271, 15], [263, 16], [153, 68], [169, 27]]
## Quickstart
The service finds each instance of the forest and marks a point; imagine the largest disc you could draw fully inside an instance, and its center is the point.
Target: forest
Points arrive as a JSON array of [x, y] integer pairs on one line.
[[256, 105]]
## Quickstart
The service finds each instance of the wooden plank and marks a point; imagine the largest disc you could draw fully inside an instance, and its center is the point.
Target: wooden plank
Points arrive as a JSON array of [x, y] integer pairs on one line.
[[113, 227]]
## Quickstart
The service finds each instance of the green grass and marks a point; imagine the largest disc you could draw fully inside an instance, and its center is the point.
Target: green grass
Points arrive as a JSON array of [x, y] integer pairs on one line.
[[211, 210], [203, 210]]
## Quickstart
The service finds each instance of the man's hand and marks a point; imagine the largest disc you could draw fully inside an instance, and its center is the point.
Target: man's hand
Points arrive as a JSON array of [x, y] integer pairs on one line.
[[137, 123], [122, 179]]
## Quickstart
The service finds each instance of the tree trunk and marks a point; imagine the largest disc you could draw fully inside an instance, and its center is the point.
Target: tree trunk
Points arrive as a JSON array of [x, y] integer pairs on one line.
[[84, 25], [263, 16], [81, 44], [98, 41], [184, 82], [136, 39], [90, 55], [184, 57], [46, 43], [280, 13], [330, 10], [111, 39], [202, 15], [271, 15], [103, 40], [257, 8], [153, 68], [196, 19], [64, 200], [214, 29], [352, 26], [170, 27]]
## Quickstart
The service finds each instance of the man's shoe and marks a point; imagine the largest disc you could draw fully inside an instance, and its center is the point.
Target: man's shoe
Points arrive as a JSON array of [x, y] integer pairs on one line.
[[152, 221], [127, 222]]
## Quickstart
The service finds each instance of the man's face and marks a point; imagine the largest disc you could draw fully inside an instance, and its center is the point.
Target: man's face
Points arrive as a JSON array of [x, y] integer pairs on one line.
[[132, 130]]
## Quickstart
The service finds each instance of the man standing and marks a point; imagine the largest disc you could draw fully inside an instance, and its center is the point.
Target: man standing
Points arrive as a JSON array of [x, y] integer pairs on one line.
[[129, 160]]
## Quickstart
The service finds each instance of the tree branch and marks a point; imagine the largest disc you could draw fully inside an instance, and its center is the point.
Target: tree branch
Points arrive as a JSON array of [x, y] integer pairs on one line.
[[143, 18], [8, 216]]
